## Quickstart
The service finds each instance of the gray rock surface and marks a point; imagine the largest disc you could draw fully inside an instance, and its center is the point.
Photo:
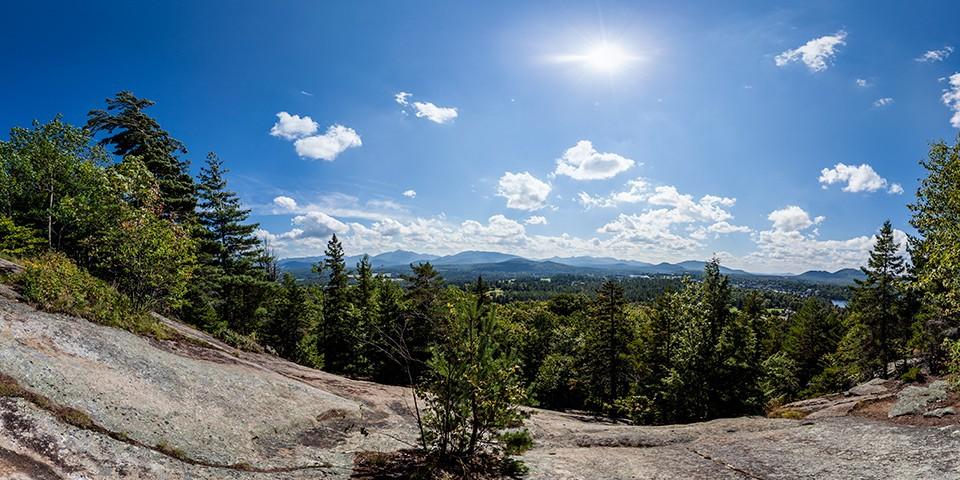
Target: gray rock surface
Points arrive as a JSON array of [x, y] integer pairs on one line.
[[202, 410], [913, 400], [940, 412]]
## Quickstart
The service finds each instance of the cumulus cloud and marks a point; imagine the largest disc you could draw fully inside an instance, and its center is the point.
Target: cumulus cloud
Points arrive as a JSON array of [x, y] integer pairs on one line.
[[861, 178], [292, 127], [285, 203], [523, 191], [951, 98], [861, 82], [814, 54], [637, 190], [327, 146], [410, 194], [318, 224], [659, 227], [536, 220], [434, 113], [792, 249], [895, 189], [935, 55], [583, 162], [792, 219], [428, 110], [883, 102]]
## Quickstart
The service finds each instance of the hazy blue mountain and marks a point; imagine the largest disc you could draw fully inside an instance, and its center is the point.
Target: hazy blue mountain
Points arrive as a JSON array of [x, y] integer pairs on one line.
[[586, 261], [843, 276], [505, 265], [471, 257]]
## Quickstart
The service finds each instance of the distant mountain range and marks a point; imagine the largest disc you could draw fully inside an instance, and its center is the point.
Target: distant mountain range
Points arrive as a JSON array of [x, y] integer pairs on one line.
[[497, 264]]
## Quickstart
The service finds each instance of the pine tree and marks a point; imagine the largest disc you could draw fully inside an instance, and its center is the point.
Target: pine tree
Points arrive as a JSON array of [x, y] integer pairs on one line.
[[338, 339], [131, 132], [814, 332], [878, 302], [231, 278], [230, 240], [607, 343], [365, 302]]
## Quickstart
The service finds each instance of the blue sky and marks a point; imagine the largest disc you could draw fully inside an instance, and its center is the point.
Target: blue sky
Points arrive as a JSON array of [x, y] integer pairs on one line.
[[637, 130]]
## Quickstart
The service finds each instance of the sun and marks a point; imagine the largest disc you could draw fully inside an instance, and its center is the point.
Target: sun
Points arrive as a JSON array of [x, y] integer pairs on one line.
[[603, 57], [606, 57]]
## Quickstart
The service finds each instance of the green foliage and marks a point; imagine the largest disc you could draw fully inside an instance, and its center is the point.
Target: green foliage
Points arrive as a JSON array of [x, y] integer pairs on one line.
[[779, 380], [515, 442], [934, 252], [17, 241], [814, 333], [473, 383], [54, 283], [879, 304], [133, 133], [911, 375], [606, 342]]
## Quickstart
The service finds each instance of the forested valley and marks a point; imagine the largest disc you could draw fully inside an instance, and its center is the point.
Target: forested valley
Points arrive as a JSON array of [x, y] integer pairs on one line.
[[110, 225]]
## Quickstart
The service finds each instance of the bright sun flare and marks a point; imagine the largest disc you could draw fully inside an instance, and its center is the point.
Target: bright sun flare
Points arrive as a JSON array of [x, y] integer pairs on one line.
[[606, 57], [602, 57]]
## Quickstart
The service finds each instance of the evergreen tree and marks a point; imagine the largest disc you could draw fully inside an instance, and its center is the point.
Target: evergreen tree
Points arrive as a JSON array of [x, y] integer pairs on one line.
[[291, 325], [131, 132], [606, 345], [814, 332], [878, 302], [365, 301], [229, 240], [231, 278], [424, 312], [338, 338]]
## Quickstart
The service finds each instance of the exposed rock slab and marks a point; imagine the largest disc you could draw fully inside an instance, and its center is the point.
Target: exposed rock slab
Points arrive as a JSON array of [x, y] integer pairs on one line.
[[914, 400], [224, 414]]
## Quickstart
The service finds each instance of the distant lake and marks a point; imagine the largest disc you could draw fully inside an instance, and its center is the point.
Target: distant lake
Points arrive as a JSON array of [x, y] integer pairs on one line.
[[839, 303]]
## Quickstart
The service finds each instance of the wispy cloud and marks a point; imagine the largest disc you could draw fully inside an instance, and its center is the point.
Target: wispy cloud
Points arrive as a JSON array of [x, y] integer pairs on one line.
[[935, 55], [814, 54]]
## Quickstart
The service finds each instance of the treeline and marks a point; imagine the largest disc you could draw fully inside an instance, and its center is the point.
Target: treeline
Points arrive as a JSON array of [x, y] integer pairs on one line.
[[117, 198]]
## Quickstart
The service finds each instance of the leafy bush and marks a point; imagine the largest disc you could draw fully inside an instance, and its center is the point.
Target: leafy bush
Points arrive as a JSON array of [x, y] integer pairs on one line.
[[912, 375], [52, 282], [17, 241], [473, 388], [515, 442]]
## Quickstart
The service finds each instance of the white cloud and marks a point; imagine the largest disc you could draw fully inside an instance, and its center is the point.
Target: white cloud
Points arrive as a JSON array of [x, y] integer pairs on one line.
[[861, 82], [935, 55], [327, 146], [319, 224], [814, 54], [792, 219], [434, 113], [895, 189], [862, 178], [293, 126], [401, 98], [285, 203], [724, 227], [410, 194], [789, 249], [658, 227], [636, 192], [883, 102], [499, 230], [583, 162], [523, 191], [536, 220], [951, 98]]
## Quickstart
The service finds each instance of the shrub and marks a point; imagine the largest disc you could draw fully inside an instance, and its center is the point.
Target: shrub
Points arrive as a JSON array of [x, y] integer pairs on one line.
[[473, 388], [53, 283], [912, 375], [17, 241]]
